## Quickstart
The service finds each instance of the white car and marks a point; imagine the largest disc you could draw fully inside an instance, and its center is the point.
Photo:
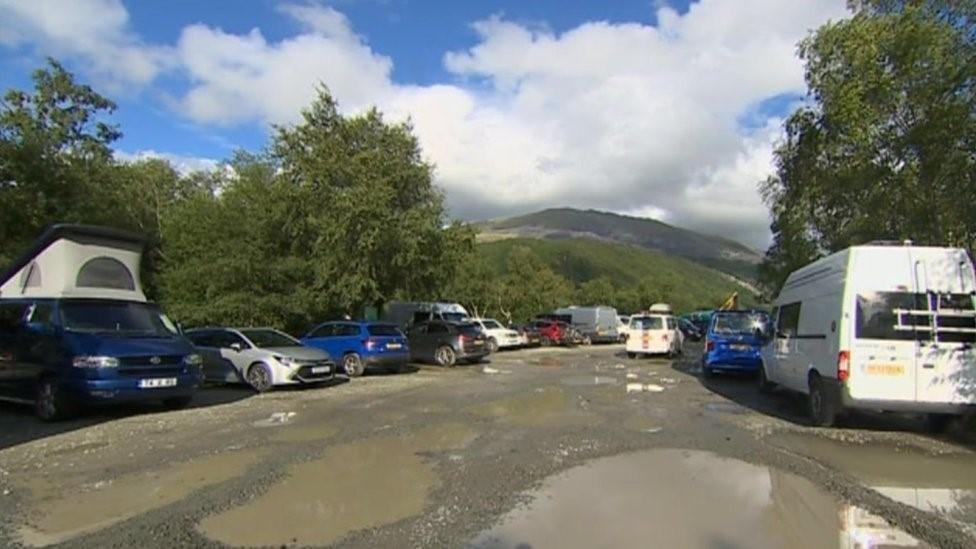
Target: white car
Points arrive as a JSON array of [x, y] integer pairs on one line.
[[260, 357], [878, 327], [499, 337], [654, 334]]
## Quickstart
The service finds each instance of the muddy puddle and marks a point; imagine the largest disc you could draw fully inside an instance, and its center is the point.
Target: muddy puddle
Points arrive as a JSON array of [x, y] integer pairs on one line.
[[57, 514], [537, 407], [364, 484], [943, 484], [681, 498], [588, 381]]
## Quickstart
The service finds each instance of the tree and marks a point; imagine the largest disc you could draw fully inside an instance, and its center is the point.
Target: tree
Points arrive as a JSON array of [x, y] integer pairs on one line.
[[885, 149], [598, 291], [54, 153], [530, 287]]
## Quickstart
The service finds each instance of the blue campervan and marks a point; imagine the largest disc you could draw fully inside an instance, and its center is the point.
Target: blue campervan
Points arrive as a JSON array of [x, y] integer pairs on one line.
[[734, 340], [76, 328]]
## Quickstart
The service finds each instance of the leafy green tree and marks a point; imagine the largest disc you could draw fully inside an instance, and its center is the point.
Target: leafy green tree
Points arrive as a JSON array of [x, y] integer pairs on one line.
[[599, 291], [884, 150], [530, 287], [476, 287], [54, 153]]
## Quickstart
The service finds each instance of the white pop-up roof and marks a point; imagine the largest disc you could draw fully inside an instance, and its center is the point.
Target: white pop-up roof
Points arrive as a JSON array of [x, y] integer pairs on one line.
[[78, 261]]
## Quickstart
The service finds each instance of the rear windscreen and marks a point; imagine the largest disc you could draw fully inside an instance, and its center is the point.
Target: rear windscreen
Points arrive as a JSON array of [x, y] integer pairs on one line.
[[906, 316], [647, 323], [740, 323], [383, 330], [469, 329]]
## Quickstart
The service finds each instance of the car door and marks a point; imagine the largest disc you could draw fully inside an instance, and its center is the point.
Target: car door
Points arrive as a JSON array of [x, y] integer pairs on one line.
[[438, 335], [417, 338], [787, 362], [324, 337], [349, 339], [40, 347], [11, 324], [215, 367], [241, 357]]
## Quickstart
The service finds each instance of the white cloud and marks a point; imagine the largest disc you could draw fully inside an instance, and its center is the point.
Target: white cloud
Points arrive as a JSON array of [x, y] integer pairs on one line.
[[625, 117], [96, 31], [184, 164]]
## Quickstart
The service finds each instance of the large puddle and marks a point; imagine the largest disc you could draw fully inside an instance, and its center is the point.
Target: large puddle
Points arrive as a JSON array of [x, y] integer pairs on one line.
[[57, 515], [360, 485], [683, 498], [944, 484]]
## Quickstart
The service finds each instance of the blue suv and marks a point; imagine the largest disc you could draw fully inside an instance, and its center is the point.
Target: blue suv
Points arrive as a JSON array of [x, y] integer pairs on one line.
[[734, 340], [359, 346]]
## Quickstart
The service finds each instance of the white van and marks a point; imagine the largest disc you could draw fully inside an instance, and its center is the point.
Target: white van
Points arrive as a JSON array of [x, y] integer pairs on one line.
[[654, 334], [881, 327]]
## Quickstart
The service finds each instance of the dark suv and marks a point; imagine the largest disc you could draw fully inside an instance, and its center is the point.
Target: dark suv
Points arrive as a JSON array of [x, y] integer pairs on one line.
[[445, 343]]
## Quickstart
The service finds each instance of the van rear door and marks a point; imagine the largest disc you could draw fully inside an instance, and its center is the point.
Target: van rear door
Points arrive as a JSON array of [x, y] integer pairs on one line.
[[947, 361]]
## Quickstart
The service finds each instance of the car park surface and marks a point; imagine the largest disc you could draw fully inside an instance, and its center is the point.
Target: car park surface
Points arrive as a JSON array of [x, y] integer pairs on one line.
[[471, 446]]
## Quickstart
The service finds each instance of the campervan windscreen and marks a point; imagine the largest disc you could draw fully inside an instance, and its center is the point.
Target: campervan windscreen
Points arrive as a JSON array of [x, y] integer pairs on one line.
[[886, 316], [127, 318]]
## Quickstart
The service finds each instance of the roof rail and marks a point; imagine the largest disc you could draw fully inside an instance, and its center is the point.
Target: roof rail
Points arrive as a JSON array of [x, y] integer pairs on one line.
[[906, 242]]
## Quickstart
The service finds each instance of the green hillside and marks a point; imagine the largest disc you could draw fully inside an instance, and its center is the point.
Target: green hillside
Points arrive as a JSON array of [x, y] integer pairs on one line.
[[560, 223], [684, 284]]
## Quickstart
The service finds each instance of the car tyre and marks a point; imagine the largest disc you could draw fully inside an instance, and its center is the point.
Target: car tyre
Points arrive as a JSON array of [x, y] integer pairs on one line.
[[50, 402], [631, 355], [822, 408], [259, 377], [353, 364], [177, 403], [765, 386], [445, 356], [937, 423], [492, 345]]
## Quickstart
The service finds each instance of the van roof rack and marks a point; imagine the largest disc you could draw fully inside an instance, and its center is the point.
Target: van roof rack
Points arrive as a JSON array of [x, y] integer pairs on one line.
[[906, 242]]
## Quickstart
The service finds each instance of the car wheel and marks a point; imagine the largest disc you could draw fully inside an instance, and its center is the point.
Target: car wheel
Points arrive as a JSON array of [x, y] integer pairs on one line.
[[445, 356], [765, 386], [492, 345], [259, 377], [353, 365], [937, 423], [823, 410], [631, 355], [177, 403], [50, 403]]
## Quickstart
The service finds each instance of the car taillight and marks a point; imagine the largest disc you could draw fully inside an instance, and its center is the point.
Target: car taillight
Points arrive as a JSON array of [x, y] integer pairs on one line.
[[709, 345], [843, 366], [371, 344]]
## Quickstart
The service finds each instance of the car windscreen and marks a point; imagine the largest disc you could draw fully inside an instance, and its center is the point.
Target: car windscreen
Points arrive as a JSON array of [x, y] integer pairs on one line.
[[647, 323], [384, 330], [270, 338], [491, 325], [907, 316], [740, 323], [124, 318]]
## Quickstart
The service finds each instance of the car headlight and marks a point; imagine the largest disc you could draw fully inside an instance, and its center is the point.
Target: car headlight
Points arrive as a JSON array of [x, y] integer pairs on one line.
[[193, 359], [95, 362], [286, 361]]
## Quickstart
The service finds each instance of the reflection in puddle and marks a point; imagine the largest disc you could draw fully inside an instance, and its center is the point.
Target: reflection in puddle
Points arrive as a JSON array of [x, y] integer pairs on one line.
[[682, 498], [586, 381], [360, 485], [944, 484], [534, 408], [59, 515]]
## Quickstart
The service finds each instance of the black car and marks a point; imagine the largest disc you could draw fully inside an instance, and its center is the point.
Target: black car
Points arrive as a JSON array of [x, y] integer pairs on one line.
[[445, 343], [689, 329]]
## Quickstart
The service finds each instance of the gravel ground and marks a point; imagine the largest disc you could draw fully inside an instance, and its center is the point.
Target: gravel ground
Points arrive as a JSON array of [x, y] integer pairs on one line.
[[434, 457]]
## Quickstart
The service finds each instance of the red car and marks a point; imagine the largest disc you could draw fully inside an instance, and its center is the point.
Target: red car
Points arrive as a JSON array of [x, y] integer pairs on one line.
[[554, 332]]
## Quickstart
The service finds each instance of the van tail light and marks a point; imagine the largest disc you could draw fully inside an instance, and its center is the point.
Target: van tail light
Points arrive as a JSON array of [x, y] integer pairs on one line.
[[843, 366], [709, 346]]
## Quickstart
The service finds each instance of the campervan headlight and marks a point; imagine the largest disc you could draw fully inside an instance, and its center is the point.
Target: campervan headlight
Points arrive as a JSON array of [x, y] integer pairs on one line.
[[95, 362], [193, 359]]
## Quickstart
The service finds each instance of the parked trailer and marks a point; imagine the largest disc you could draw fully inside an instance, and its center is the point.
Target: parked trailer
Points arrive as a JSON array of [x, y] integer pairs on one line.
[[878, 327], [597, 324]]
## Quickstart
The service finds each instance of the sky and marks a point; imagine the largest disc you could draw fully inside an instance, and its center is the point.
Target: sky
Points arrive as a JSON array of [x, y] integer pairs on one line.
[[656, 108]]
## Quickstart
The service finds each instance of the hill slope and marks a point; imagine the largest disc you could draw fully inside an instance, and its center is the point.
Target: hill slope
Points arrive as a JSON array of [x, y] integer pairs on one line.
[[560, 223], [684, 284]]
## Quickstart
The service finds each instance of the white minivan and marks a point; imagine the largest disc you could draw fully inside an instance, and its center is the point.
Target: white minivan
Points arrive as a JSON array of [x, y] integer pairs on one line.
[[653, 334], [880, 327]]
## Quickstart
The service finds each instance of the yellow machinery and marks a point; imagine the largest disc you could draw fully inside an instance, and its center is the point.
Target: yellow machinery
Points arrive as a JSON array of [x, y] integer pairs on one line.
[[731, 303]]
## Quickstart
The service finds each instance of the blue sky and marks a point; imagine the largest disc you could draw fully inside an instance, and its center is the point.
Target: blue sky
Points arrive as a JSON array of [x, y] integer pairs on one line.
[[640, 107]]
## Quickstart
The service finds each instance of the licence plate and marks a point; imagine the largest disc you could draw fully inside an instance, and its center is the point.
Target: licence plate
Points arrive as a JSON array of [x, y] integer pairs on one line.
[[158, 382], [739, 347], [479, 342], [393, 345], [886, 369], [321, 369]]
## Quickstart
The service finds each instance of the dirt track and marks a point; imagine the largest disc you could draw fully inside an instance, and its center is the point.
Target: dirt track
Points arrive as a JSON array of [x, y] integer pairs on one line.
[[435, 458]]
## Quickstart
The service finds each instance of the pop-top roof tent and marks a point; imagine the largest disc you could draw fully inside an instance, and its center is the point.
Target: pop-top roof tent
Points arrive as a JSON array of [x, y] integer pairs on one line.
[[82, 261]]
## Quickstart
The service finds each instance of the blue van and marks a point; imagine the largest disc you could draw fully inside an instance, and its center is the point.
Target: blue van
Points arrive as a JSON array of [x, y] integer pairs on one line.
[[76, 329], [734, 340], [359, 346]]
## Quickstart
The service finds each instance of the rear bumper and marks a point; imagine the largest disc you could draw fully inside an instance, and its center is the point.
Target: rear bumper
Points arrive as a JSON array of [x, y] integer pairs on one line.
[[383, 360], [103, 391], [750, 362], [954, 408]]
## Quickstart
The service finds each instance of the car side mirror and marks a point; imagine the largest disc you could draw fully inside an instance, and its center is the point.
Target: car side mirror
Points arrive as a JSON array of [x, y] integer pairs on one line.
[[237, 347]]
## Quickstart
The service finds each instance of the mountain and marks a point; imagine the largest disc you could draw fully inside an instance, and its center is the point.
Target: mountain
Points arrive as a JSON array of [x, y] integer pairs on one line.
[[684, 284], [718, 253]]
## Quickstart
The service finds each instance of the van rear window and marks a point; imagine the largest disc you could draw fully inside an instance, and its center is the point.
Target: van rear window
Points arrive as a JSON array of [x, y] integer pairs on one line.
[[647, 323], [886, 316]]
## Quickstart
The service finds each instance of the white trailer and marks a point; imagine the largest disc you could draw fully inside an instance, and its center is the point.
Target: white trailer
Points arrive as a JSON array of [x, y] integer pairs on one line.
[[881, 327]]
